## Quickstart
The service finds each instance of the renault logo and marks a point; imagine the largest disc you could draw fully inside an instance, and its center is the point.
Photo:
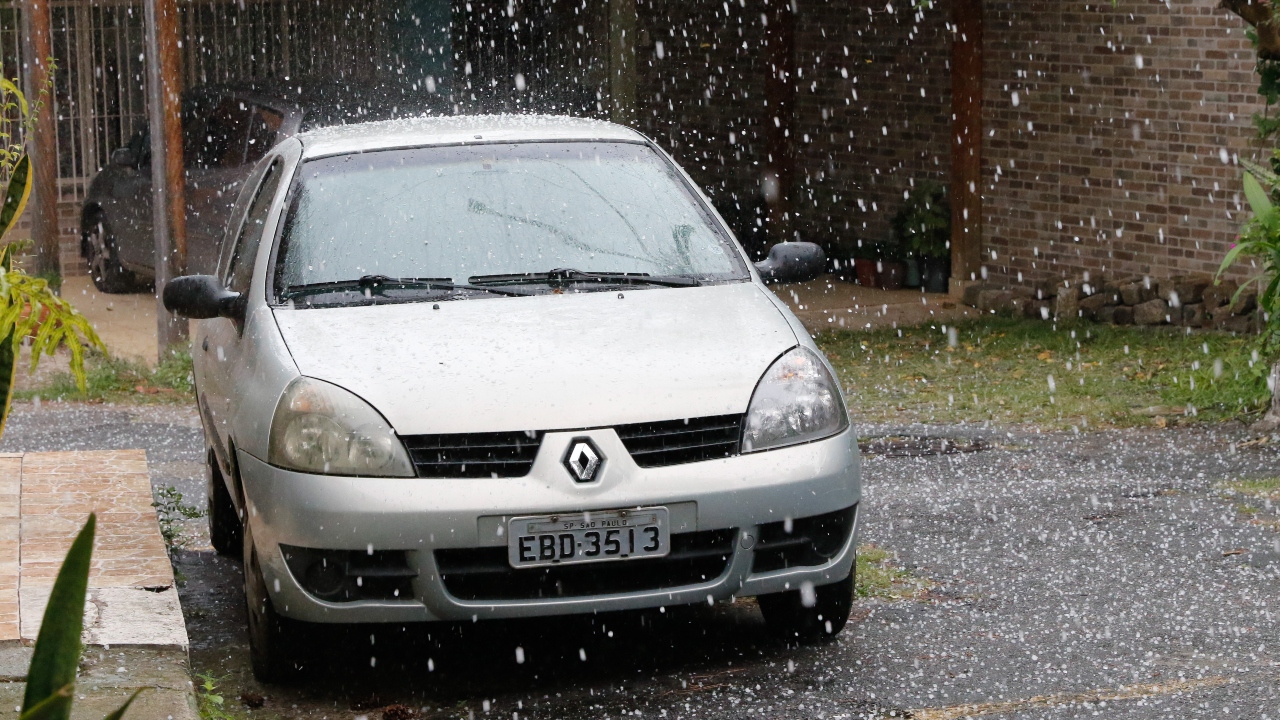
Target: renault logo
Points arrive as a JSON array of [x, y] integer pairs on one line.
[[583, 460]]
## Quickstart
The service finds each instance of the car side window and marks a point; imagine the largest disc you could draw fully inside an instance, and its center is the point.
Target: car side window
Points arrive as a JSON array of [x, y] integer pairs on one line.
[[240, 265], [263, 127], [140, 144], [221, 139]]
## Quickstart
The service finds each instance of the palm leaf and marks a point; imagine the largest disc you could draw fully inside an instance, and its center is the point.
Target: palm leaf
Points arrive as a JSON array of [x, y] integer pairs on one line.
[[1226, 263], [1262, 173], [9, 87], [57, 705], [57, 651], [1257, 197], [16, 194]]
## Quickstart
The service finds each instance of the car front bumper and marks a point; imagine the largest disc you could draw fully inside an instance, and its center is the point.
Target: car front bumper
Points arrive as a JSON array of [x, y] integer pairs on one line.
[[422, 515]]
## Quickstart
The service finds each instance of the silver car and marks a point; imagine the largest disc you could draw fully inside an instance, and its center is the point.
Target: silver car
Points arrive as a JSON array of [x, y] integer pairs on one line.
[[496, 367]]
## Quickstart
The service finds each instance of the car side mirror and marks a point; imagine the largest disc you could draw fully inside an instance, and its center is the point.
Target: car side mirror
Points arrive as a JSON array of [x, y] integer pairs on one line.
[[198, 297], [792, 262], [124, 157]]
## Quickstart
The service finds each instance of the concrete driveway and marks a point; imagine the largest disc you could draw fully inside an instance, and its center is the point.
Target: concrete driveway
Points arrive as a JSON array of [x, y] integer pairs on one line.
[[1072, 575]]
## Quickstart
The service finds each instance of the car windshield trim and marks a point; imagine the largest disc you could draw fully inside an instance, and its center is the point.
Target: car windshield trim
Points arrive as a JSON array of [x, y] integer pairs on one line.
[[380, 283], [561, 276]]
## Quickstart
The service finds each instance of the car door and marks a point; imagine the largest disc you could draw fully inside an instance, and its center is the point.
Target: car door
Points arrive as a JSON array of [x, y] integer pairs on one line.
[[220, 339], [216, 168], [204, 245], [129, 208]]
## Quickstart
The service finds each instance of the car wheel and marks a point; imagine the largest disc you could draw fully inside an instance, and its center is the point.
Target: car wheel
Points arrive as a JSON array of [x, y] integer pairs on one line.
[[274, 652], [786, 613], [109, 276], [225, 531]]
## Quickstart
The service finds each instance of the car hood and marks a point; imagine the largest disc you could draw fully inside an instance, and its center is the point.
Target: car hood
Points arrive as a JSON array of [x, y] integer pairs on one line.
[[546, 362]]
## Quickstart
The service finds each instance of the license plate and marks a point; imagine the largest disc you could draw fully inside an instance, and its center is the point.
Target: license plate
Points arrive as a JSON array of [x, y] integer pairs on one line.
[[574, 538]]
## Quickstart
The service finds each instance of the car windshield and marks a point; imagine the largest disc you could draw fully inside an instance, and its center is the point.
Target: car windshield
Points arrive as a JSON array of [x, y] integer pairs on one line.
[[573, 215]]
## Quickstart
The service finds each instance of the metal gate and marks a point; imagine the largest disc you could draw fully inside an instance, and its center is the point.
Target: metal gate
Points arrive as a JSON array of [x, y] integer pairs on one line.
[[100, 93]]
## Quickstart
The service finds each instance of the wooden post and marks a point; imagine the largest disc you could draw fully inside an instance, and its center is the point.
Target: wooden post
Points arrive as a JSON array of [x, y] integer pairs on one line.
[[966, 143], [168, 203], [37, 18], [779, 93], [622, 61]]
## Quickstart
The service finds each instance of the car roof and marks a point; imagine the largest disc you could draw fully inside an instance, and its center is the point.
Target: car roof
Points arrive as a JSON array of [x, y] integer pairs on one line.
[[324, 101], [459, 130]]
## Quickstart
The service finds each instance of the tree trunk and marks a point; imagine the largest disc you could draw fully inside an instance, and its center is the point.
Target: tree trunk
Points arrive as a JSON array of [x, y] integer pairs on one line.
[[1270, 422], [1259, 14]]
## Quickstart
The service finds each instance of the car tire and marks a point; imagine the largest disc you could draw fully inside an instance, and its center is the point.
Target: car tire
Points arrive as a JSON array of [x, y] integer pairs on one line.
[[274, 641], [787, 617], [225, 531], [108, 275]]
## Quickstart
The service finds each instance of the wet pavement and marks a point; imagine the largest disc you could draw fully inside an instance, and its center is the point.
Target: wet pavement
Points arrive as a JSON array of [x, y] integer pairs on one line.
[[1096, 574]]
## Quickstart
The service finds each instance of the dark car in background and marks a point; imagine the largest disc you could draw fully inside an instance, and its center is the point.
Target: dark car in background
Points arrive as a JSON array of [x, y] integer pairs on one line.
[[226, 129]]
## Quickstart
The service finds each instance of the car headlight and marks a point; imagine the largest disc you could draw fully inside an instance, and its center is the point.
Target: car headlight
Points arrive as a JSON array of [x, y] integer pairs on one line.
[[321, 428], [796, 401]]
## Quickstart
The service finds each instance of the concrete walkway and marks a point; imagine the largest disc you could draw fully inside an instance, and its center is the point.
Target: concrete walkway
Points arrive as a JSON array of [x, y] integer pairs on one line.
[[126, 323], [134, 631], [829, 303]]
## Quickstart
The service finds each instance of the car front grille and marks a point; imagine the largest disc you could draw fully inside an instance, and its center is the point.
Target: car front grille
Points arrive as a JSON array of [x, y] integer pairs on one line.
[[802, 542], [484, 573], [473, 455], [657, 444]]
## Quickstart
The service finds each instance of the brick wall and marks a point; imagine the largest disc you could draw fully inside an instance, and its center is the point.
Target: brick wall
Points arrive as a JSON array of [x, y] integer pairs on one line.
[[871, 122], [68, 241], [700, 94], [1108, 161], [872, 111], [1105, 163], [1111, 158]]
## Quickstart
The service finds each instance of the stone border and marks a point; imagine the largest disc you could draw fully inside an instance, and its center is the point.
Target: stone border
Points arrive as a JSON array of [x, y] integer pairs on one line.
[[134, 632], [1185, 300]]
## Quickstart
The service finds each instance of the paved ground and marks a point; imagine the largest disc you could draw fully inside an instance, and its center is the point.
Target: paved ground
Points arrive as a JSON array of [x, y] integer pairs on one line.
[[828, 303], [126, 323], [1075, 575], [132, 602]]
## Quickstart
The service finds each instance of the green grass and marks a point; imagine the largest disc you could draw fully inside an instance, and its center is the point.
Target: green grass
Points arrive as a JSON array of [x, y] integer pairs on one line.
[[999, 368], [113, 379], [1260, 488], [879, 577], [1255, 500]]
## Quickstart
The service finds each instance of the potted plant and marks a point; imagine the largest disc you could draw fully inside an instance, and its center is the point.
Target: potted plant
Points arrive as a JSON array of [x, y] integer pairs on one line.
[[892, 267], [923, 226], [866, 260]]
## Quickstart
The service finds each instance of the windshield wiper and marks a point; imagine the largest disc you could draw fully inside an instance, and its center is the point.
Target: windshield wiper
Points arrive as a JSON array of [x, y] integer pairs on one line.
[[564, 276], [379, 283]]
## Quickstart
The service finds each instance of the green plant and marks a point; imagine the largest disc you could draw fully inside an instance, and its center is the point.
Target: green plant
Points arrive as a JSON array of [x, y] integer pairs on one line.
[[51, 677], [116, 379], [869, 250], [892, 249], [923, 224], [171, 511], [29, 306], [1260, 239], [210, 704]]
